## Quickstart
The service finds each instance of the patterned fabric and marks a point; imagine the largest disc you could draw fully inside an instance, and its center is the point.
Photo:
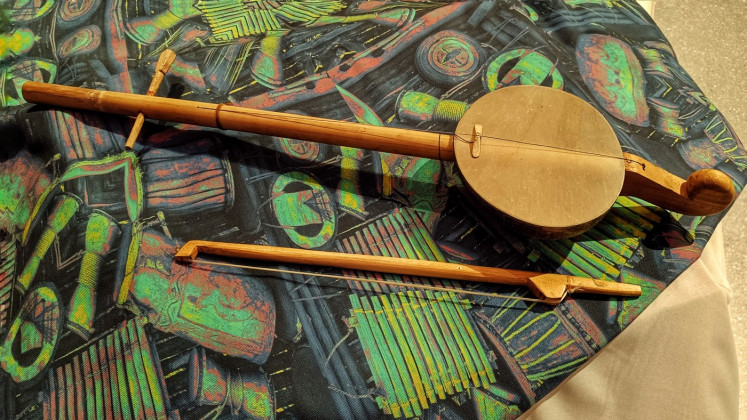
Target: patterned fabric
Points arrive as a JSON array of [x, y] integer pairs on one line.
[[88, 229], [232, 19]]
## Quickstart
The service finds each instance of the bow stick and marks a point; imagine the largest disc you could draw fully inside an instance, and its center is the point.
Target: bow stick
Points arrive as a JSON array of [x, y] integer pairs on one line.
[[549, 288]]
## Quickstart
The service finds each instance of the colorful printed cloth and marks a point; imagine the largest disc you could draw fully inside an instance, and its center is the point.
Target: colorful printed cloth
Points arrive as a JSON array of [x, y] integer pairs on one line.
[[98, 321]]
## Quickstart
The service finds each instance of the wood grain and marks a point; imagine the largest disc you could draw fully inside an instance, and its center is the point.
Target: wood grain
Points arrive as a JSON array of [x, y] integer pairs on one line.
[[229, 117], [705, 192]]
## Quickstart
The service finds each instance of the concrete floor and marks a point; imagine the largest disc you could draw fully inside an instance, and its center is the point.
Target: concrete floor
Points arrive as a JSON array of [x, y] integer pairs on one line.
[[710, 41]]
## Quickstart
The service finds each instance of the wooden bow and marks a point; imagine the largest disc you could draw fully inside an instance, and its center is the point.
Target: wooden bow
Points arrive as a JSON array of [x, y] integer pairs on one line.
[[549, 288]]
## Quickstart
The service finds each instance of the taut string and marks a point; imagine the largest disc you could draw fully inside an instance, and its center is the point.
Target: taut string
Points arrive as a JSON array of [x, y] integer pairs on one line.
[[367, 280], [458, 136]]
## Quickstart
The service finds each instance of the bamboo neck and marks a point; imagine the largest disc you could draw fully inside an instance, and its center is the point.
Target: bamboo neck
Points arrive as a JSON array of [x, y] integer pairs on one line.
[[229, 117]]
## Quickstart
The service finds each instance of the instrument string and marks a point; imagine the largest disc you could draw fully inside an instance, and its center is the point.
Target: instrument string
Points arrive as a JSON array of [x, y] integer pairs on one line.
[[459, 136], [526, 143], [369, 280]]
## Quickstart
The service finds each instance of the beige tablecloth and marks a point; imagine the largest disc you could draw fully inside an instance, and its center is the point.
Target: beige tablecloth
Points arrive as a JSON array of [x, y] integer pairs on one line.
[[676, 361]]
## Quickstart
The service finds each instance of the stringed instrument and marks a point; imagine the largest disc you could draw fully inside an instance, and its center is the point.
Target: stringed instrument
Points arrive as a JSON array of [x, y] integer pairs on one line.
[[547, 162]]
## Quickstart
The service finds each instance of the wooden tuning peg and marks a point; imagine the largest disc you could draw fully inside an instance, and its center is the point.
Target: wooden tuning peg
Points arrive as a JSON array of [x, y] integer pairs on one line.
[[165, 60]]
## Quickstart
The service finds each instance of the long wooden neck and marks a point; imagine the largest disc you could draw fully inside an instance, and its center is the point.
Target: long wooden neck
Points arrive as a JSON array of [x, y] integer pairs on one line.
[[228, 117]]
